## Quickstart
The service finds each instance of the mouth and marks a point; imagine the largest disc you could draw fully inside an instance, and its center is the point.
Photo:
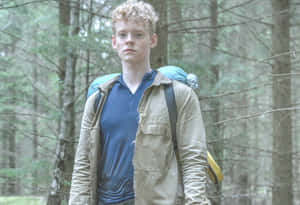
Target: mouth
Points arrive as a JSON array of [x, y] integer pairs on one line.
[[129, 50]]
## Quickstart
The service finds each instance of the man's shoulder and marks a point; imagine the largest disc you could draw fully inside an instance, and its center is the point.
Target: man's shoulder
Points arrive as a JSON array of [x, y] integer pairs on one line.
[[181, 88], [104, 87], [183, 93]]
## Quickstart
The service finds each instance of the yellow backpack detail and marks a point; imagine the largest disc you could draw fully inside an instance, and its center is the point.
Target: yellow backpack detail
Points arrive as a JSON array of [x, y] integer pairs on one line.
[[214, 171]]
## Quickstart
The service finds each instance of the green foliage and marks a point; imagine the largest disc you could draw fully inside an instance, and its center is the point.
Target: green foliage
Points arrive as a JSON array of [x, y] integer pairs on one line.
[[26, 200], [9, 172], [30, 38]]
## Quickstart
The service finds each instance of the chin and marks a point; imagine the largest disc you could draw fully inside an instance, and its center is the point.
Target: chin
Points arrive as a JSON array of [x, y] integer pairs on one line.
[[130, 59]]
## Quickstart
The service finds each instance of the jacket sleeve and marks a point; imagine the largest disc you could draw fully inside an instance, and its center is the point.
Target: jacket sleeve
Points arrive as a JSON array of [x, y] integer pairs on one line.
[[192, 149], [80, 186]]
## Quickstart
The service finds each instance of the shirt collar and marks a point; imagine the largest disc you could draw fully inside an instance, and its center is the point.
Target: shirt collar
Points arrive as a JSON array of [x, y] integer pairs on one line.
[[148, 76], [159, 79]]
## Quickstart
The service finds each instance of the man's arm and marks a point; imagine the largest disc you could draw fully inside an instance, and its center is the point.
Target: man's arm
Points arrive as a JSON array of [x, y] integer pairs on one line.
[[192, 149], [80, 187]]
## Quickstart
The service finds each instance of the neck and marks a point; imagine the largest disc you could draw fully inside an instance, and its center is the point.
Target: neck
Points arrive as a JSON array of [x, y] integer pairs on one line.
[[134, 73]]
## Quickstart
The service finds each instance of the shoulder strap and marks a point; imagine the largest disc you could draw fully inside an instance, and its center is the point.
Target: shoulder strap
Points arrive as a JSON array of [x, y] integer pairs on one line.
[[172, 109], [97, 100]]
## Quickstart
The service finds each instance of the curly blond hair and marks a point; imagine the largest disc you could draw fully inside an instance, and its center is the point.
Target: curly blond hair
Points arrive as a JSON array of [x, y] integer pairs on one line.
[[135, 10]]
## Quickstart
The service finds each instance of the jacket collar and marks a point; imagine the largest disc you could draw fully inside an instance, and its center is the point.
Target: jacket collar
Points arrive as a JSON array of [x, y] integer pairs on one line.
[[105, 87], [158, 80]]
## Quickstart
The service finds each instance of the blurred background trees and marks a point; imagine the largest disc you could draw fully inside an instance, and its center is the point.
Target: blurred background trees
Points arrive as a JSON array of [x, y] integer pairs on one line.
[[244, 52]]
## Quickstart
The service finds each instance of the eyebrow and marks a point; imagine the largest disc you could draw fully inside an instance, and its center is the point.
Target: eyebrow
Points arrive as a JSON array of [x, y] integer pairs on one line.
[[134, 30]]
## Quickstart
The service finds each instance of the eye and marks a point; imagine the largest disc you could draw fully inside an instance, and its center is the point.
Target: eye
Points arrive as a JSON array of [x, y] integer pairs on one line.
[[139, 35], [122, 35]]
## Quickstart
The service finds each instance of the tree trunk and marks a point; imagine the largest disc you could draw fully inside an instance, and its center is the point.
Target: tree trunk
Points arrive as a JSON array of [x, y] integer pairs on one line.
[[4, 157], [35, 123], [244, 162], [59, 190], [88, 53], [215, 135], [282, 192], [12, 118], [12, 183], [9, 187], [176, 42], [256, 156], [64, 23], [159, 54]]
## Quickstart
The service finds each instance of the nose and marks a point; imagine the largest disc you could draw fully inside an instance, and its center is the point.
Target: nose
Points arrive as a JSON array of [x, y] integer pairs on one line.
[[129, 38]]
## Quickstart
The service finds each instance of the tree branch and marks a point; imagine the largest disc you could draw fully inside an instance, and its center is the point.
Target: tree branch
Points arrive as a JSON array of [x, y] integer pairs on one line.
[[207, 17], [21, 4], [256, 115]]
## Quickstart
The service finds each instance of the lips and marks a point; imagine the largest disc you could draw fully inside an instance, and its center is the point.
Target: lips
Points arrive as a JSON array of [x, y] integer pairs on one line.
[[129, 50]]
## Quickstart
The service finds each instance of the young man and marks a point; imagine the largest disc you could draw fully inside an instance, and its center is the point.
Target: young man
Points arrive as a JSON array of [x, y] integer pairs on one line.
[[125, 153]]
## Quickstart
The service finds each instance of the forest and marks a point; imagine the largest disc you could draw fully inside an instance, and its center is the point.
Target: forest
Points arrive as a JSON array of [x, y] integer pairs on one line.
[[245, 54]]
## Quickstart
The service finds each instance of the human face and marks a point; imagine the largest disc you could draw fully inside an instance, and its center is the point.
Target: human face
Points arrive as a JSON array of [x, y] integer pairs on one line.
[[132, 41]]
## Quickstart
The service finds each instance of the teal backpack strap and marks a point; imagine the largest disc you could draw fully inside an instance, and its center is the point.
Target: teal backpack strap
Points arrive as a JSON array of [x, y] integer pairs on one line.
[[172, 109]]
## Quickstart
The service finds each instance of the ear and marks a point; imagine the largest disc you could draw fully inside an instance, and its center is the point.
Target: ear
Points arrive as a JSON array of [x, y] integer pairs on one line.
[[153, 39], [113, 42]]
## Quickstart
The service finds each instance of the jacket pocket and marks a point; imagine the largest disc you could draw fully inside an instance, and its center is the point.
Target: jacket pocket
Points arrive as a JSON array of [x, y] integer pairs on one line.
[[154, 129], [153, 149]]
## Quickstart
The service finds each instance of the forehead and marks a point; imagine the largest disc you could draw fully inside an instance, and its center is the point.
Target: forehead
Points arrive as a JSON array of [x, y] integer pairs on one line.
[[132, 25]]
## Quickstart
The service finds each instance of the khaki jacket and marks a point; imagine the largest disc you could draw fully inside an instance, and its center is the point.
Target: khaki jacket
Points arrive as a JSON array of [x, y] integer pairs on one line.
[[158, 178]]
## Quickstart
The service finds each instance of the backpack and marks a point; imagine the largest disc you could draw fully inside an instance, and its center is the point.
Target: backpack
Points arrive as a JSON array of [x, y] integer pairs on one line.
[[173, 73]]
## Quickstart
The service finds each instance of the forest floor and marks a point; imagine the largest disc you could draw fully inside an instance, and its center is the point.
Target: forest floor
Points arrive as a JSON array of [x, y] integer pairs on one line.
[[22, 200]]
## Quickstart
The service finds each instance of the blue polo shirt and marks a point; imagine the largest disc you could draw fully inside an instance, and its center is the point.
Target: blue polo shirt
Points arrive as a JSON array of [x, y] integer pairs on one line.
[[119, 122]]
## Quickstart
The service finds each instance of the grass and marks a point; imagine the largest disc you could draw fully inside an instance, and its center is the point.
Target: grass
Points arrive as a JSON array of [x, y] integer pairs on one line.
[[22, 200]]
